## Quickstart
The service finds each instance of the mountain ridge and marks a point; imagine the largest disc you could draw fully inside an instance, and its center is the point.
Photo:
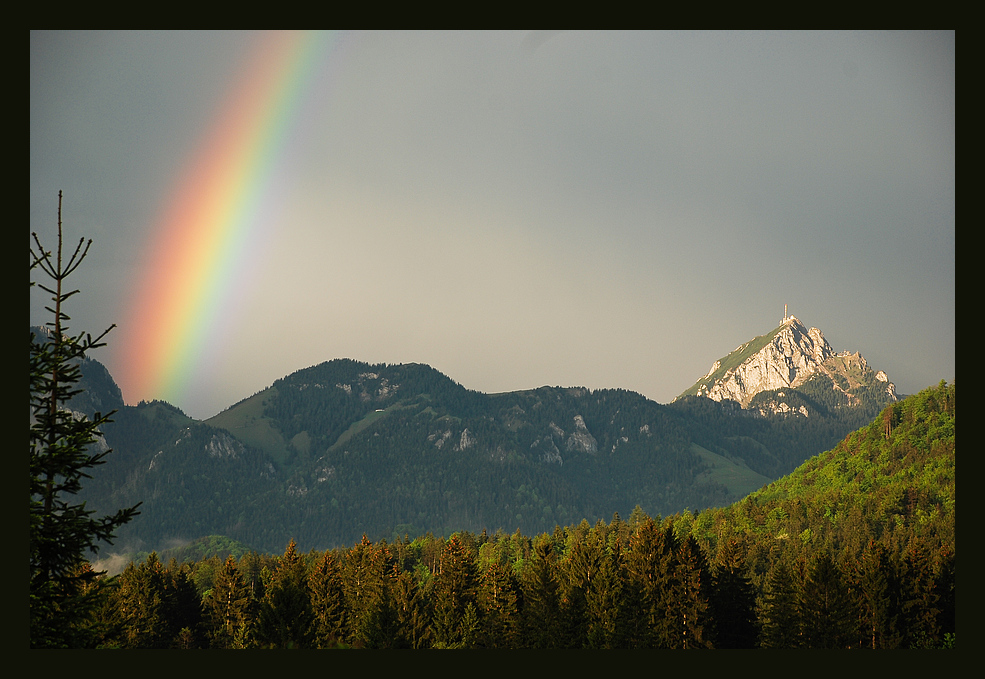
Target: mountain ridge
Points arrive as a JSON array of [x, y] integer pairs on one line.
[[786, 358], [345, 447]]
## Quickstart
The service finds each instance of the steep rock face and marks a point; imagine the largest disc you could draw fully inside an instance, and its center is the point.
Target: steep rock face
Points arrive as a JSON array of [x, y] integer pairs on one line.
[[793, 355], [581, 440], [786, 358]]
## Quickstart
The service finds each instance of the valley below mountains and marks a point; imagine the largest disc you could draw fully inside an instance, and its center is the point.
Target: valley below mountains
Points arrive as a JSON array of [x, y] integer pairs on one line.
[[344, 449]]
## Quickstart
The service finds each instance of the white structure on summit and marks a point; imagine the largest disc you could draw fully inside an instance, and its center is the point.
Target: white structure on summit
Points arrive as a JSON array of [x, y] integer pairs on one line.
[[787, 318]]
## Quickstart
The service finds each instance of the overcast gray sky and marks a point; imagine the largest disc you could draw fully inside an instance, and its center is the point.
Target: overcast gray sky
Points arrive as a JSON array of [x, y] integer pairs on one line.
[[518, 209]]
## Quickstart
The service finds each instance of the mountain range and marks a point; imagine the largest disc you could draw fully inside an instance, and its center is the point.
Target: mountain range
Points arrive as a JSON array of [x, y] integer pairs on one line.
[[347, 448]]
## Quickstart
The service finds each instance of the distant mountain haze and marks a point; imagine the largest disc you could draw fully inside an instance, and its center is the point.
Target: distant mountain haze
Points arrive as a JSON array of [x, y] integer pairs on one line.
[[346, 448]]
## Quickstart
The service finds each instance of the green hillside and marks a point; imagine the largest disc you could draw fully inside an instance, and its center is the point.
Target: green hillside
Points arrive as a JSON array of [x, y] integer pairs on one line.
[[248, 422], [891, 482], [735, 476]]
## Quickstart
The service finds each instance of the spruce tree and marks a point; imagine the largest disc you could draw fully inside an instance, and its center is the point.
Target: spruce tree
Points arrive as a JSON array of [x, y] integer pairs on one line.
[[608, 602], [500, 604], [579, 573], [650, 563], [413, 611], [62, 533], [692, 611], [379, 626], [364, 576], [229, 606], [542, 619], [139, 605], [779, 615], [877, 598], [156, 607], [919, 600], [328, 601], [184, 607], [286, 618], [251, 567], [456, 589], [733, 600], [828, 615]]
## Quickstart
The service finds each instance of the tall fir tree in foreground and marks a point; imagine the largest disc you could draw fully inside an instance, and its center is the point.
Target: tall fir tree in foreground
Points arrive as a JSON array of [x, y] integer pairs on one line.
[[541, 590], [62, 532], [456, 597], [828, 616], [229, 608], [328, 600], [779, 615], [692, 612], [733, 599], [500, 603], [286, 618], [650, 563]]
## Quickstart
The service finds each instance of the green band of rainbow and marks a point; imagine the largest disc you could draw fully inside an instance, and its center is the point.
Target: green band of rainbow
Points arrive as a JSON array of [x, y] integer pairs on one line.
[[219, 210]]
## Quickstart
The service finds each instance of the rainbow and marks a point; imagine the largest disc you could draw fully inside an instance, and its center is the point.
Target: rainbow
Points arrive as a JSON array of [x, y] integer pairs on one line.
[[197, 259]]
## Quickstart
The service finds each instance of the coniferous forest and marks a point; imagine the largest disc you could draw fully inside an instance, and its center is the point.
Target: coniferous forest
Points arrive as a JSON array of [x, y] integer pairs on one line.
[[854, 550]]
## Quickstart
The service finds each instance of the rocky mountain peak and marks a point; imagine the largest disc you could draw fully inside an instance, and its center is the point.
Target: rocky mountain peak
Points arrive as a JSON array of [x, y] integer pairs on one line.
[[787, 357]]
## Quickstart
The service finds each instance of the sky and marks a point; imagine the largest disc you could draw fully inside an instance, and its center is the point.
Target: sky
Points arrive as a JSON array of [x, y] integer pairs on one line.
[[514, 209]]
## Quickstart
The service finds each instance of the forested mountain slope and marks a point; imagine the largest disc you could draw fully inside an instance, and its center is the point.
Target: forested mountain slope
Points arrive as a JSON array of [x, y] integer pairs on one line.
[[854, 550], [891, 482], [344, 448]]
